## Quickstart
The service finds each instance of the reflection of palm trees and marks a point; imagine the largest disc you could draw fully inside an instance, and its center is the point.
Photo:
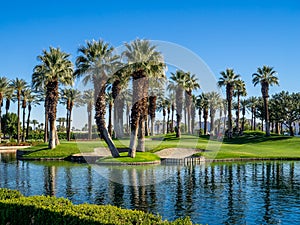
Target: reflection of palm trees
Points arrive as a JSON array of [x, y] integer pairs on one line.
[[49, 180]]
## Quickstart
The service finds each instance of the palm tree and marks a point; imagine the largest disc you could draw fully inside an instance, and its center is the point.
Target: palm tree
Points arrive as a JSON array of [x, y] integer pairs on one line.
[[88, 99], [144, 62], [244, 104], [205, 112], [240, 90], [9, 98], [177, 83], [156, 90], [31, 101], [252, 103], [18, 85], [55, 68], [228, 79], [199, 106], [190, 85], [34, 122], [25, 95], [96, 63], [119, 83], [110, 103], [213, 103], [69, 97], [266, 76], [163, 105], [4, 88]]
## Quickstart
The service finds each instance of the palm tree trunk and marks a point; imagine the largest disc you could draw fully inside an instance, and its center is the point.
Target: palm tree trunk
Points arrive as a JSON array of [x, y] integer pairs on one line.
[[70, 119], [238, 115], [23, 125], [146, 125], [266, 108], [168, 120], [243, 121], [254, 120], [172, 119], [139, 109], [7, 105], [19, 125], [164, 121], [141, 136], [229, 92], [109, 127], [100, 110], [212, 123], [205, 117], [28, 120], [46, 127], [200, 125], [89, 122]]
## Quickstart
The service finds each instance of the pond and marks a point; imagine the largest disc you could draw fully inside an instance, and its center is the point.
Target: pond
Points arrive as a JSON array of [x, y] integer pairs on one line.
[[219, 193]]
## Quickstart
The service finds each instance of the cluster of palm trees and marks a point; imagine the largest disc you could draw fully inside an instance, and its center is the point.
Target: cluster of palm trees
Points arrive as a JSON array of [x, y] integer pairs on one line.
[[135, 80]]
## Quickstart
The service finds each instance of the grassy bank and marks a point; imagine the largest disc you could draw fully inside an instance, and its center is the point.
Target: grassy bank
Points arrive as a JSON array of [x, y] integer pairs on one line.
[[251, 145], [140, 157]]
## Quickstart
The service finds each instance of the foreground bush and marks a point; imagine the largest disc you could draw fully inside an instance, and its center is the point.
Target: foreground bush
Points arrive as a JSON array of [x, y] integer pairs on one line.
[[17, 209]]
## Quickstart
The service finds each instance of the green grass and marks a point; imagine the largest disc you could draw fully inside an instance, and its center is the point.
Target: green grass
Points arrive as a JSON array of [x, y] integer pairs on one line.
[[140, 157], [251, 145]]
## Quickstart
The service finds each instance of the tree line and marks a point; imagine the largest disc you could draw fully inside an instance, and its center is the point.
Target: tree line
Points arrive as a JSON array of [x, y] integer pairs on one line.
[[135, 81]]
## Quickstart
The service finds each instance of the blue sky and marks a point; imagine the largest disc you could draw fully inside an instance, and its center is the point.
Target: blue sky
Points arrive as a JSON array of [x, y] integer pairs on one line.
[[239, 34]]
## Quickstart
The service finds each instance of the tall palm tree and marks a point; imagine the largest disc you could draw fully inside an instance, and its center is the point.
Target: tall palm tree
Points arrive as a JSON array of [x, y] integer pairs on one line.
[[213, 103], [110, 103], [96, 62], [54, 68], [228, 79], [266, 76], [205, 111], [32, 100], [163, 105], [88, 99], [18, 85], [244, 104], [25, 95], [4, 88], [190, 85], [144, 62], [199, 106], [240, 90], [70, 97], [177, 83], [9, 98], [156, 90], [119, 81], [252, 103]]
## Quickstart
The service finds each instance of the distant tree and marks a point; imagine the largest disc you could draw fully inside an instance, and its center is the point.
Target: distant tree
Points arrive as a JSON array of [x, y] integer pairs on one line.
[[265, 76], [4, 88], [11, 127], [228, 79], [18, 85]]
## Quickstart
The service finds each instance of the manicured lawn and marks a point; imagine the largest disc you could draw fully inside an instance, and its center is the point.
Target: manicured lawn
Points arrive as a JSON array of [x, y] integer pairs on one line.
[[251, 145], [140, 157]]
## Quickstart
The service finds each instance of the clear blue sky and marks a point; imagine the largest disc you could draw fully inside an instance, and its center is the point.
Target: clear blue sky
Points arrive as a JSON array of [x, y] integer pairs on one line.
[[224, 33]]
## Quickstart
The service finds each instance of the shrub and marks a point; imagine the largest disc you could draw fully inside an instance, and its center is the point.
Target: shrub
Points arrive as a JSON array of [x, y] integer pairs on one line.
[[17, 209]]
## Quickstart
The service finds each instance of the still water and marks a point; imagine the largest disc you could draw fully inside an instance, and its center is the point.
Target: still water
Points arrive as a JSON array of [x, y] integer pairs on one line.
[[219, 193]]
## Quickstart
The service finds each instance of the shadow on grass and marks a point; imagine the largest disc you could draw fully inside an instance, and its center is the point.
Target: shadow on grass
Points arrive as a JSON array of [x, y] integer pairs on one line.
[[254, 139]]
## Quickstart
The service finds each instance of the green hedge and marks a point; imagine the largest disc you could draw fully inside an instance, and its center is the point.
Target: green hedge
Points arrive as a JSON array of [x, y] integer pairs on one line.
[[17, 209]]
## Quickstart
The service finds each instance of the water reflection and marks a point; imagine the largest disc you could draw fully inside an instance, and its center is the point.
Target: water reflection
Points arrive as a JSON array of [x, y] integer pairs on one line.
[[220, 193]]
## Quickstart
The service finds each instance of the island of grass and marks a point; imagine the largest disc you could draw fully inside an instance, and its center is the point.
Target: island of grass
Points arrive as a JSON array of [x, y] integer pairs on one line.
[[140, 158], [252, 145]]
